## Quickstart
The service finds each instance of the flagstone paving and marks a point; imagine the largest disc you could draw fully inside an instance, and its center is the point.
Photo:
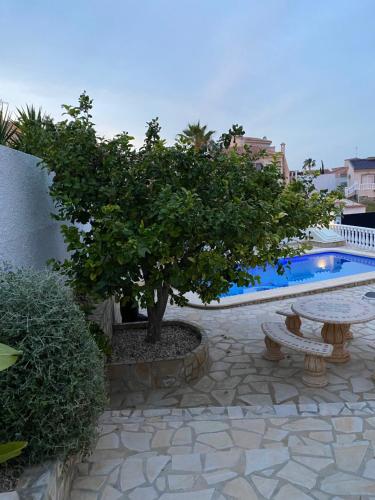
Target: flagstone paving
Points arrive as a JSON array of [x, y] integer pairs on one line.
[[238, 374], [215, 453], [247, 430]]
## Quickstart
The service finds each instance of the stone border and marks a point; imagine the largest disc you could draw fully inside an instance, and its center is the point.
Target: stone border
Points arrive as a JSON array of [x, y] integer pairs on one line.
[[48, 481], [359, 408], [295, 290], [161, 373]]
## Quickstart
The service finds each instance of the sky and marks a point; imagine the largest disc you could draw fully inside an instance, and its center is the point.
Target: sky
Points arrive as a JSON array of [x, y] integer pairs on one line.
[[297, 71]]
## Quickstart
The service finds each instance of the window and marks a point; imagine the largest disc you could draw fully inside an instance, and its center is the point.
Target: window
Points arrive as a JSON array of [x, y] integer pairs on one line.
[[367, 178]]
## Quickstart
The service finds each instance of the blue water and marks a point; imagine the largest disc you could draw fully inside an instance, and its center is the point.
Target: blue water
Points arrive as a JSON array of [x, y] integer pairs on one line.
[[306, 269]]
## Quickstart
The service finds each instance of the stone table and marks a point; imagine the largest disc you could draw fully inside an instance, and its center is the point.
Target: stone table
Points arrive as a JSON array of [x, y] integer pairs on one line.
[[337, 314]]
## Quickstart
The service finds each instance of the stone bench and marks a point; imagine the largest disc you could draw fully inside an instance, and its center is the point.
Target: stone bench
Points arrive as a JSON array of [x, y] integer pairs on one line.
[[292, 321], [277, 335]]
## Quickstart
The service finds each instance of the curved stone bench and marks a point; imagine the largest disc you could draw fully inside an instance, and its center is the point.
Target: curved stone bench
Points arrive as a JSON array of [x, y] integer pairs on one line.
[[277, 335], [292, 321]]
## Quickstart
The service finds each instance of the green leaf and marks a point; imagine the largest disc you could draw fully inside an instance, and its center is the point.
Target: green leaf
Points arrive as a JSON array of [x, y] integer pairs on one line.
[[11, 450], [8, 356]]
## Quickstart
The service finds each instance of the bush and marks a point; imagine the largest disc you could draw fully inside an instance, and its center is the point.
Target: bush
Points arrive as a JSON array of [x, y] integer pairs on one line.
[[53, 396]]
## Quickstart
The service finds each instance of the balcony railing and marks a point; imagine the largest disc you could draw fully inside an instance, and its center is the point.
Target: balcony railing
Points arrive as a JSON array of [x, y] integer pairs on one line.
[[360, 237], [358, 188]]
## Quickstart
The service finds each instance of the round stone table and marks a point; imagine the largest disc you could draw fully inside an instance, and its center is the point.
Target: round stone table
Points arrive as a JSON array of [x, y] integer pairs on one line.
[[337, 314]]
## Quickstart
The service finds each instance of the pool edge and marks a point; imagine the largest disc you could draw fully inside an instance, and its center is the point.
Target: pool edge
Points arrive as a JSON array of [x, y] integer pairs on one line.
[[295, 290]]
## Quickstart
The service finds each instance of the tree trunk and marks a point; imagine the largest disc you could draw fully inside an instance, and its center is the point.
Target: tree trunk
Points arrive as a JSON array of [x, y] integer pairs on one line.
[[155, 314]]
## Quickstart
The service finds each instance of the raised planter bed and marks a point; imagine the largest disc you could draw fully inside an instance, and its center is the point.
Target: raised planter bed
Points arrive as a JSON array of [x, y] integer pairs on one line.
[[160, 373], [50, 481]]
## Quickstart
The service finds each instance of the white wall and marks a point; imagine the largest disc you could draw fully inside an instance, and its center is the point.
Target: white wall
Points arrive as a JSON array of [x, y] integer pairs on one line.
[[325, 181], [28, 235]]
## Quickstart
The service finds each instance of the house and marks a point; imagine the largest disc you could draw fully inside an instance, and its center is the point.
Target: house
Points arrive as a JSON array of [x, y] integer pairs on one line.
[[349, 207], [257, 145], [361, 177]]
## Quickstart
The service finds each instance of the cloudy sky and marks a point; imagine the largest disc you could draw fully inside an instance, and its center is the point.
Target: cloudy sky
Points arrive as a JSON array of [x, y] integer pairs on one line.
[[298, 71]]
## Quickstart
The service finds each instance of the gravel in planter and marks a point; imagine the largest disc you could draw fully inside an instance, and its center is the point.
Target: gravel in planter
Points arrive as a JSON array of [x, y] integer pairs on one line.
[[9, 475], [130, 344]]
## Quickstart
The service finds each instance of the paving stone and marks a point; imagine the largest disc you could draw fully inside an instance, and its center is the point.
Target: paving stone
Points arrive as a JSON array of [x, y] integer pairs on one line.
[[161, 483], [110, 493], [146, 493], [361, 384], [369, 470], [181, 481], [283, 392], [155, 465], [289, 492], [224, 397], [182, 436], [298, 474], [217, 440], [314, 463], [256, 399], [189, 462], [138, 441], [322, 436], [307, 424], [161, 439], [265, 486], [222, 459], [347, 424], [349, 457], [342, 483], [254, 425], [131, 475], [275, 434], [319, 450], [241, 489], [257, 460], [108, 442], [204, 427], [218, 476], [245, 439], [193, 495]]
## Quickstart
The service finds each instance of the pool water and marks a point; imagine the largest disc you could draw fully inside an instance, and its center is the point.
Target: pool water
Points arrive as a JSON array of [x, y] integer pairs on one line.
[[306, 269]]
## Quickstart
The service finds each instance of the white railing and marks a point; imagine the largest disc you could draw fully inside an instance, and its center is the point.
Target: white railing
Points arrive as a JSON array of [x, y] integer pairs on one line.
[[360, 237], [358, 188]]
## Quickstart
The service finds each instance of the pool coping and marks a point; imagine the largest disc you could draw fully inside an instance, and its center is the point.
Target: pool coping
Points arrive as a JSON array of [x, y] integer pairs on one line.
[[295, 290]]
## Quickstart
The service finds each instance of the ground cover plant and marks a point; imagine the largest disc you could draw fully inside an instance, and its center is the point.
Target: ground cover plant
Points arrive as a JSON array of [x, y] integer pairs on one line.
[[53, 395], [166, 220]]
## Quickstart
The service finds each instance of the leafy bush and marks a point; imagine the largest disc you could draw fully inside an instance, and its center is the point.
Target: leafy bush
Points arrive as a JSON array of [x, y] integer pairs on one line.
[[53, 395]]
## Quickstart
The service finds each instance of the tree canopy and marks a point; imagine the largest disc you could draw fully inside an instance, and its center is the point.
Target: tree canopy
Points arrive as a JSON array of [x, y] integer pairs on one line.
[[196, 135], [167, 220]]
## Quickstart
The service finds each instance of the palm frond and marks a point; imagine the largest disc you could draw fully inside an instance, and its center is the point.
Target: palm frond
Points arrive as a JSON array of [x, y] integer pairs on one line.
[[7, 128]]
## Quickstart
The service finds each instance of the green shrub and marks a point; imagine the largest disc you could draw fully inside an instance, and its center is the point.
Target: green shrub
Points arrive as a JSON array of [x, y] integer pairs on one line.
[[54, 394]]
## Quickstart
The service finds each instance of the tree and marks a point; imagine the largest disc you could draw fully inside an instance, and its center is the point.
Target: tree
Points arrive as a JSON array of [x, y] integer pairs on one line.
[[196, 135], [165, 221], [232, 134], [309, 164]]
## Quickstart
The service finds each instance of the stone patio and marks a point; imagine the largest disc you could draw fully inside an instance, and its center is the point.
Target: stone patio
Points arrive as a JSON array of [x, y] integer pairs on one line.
[[247, 430], [240, 376]]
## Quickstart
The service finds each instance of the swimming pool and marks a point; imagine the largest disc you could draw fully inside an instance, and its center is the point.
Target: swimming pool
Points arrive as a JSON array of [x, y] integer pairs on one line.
[[307, 268]]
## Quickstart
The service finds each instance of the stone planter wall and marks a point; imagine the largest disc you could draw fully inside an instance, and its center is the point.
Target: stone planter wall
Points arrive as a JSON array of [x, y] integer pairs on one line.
[[160, 373], [50, 481]]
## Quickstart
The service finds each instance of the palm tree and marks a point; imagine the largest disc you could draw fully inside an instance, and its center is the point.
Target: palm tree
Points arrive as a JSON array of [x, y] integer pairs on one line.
[[196, 135], [309, 164], [7, 128]]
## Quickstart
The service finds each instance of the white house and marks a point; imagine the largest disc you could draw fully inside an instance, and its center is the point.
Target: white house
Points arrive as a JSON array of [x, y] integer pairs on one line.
[[361, 177]]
